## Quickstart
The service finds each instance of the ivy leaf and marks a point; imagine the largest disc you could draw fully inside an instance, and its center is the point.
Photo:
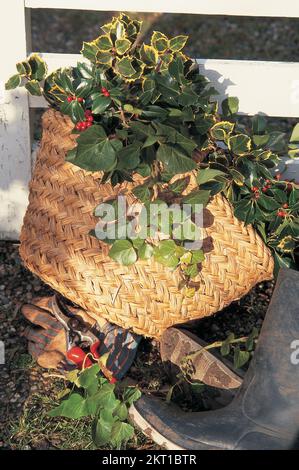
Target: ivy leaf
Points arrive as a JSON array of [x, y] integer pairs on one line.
[[121, 412], [174, 159], [121, 433], [100, 103], [88, 379], [73, 407], [123, 252], [145, 251], [142, 193], [277, 141], [295, 134], [177, 43], [240, 358], [208, 174], [164, 253], [131, 395], [201, 197], [230, 106], [95, 151], [239, 144], [13, 82], [102, 428], [129, 156], [259, 124]]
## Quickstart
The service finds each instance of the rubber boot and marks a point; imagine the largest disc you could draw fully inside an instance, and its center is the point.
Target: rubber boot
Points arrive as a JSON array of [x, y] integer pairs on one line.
[[265, 412]]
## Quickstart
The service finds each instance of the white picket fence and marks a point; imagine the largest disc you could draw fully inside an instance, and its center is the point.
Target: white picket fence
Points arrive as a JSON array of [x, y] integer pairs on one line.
[[268, 87]]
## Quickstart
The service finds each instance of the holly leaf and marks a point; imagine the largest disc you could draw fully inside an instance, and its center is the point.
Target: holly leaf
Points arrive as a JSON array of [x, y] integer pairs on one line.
[[239, 144], [100, 103], [13, 82], [33, 87], [159, 42], [122, 46], [177, 43], [124, 67]]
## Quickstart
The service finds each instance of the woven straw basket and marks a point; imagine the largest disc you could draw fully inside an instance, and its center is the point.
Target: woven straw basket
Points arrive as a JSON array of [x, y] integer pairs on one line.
[[55, 245]]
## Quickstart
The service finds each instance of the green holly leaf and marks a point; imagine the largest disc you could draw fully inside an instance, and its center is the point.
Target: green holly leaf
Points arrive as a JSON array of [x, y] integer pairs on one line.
[[24, 68], [13, 82], [148, 55], [239, 144], [177, 43], [123, 252], [100, 103]]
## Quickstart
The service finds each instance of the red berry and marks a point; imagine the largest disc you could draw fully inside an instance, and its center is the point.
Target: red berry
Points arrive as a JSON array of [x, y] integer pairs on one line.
[[84, 125], [285, 206], [104, 90], [78, 126], [80, 100], [281, 213], [69, 99], [106, 94], [268, 181], [87, 112], [265, 189], [89, 118], [257, 195], [113, 380], [88, 124], [254, 189], [278, 176], [94, 349]]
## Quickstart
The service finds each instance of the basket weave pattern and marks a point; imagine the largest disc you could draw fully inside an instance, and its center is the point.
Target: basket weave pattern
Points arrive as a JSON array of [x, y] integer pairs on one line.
[[56, 245]]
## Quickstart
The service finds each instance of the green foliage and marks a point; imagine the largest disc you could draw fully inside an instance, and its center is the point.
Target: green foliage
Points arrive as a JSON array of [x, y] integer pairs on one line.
[[106, 403], [152, 113]]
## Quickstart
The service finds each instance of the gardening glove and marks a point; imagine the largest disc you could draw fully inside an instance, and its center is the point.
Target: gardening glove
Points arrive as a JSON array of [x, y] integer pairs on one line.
[[63, 325], [46, 337]]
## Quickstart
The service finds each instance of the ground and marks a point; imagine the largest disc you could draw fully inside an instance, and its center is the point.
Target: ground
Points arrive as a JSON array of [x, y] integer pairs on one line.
[[26, 391]]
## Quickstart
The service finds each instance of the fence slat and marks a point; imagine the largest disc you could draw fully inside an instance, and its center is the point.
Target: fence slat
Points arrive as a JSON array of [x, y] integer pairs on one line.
[[268, 87], [274, 8], [15, 147]]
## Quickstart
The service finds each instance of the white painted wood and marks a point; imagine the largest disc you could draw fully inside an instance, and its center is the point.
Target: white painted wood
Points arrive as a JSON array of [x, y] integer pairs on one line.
[[15, 148], [268, 87], [275, 8]]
